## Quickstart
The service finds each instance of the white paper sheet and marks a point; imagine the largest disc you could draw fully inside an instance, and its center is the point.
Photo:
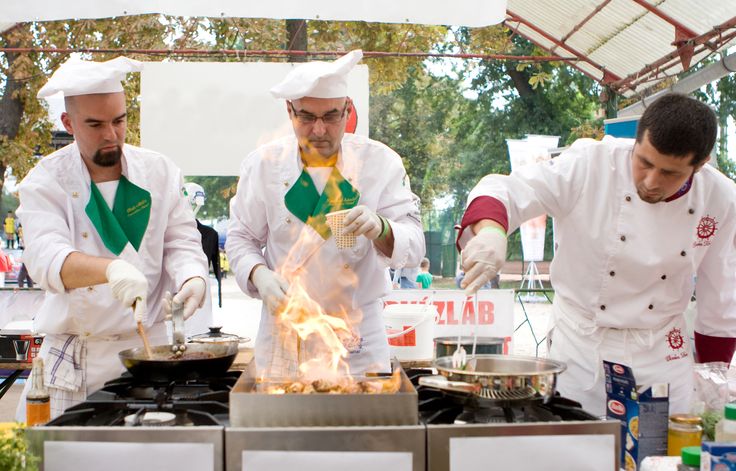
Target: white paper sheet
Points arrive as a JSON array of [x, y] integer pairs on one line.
[[326, 461], [533, 452], [116, 456]]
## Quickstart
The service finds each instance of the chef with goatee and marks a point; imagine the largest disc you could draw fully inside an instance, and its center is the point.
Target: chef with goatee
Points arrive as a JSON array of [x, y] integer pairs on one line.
[[107, 234]]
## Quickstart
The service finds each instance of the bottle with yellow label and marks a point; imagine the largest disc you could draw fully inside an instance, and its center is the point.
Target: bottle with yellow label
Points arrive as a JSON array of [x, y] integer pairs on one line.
[[683, 430], [38, 402]]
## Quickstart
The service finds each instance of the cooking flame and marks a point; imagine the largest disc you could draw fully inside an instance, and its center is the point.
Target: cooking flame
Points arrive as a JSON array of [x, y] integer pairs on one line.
[[327, 353]]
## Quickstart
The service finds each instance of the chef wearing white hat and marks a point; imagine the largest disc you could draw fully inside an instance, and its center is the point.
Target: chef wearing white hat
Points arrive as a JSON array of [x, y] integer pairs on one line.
[[285, 190], [107, 233]]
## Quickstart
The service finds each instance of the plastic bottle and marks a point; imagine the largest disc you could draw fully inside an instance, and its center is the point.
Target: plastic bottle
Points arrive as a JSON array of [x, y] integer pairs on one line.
[[38, 403], [726, 428], [690, 459]]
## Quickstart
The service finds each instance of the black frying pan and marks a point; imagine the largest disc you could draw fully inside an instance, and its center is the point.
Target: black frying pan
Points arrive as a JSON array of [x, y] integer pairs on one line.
[[198, 361]]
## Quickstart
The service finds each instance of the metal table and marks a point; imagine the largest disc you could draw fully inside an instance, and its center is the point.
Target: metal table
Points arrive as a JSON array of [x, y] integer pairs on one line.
[[19, 368]]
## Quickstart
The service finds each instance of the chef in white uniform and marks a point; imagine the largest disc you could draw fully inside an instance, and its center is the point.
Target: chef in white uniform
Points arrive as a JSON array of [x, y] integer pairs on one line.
[[285, 190], [636, 223], [106, 228]]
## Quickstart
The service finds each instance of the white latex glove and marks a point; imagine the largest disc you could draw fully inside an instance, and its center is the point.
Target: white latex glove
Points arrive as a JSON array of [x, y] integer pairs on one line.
[[128, 286], [191, 295], [482, 258], [361, 220], [271, 286]]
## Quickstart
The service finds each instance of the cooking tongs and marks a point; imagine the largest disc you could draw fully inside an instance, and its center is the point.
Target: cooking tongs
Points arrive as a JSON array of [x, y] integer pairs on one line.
[[178, 344]]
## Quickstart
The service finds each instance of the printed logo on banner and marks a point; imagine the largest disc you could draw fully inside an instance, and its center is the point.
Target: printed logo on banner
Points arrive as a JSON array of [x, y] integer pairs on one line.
[[456, 313], [707, 228]]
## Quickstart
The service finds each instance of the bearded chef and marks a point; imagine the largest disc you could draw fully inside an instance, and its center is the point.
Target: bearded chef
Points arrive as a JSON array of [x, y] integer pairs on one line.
[[636, 223], [106, 228], [285, 190]]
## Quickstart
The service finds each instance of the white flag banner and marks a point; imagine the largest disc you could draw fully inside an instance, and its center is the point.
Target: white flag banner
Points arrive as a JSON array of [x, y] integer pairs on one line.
[[472, 13], [532, 149]]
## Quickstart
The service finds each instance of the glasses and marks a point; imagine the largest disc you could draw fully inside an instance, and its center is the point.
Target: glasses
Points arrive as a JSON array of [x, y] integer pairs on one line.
[[333, 117]]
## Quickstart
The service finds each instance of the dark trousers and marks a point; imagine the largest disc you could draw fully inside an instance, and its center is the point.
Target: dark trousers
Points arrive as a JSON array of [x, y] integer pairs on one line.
[[24, 277]]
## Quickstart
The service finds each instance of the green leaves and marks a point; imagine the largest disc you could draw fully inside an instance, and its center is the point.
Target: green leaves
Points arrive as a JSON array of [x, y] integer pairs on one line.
[[15, 454]]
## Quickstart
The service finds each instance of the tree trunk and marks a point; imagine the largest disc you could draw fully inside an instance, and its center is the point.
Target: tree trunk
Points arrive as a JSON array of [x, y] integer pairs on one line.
[[521, 82], [297, 38], [11, 106]]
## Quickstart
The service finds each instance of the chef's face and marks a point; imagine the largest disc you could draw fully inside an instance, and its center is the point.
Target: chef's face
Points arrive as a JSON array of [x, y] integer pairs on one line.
[[98, 124], [658, 176], [319, 123]]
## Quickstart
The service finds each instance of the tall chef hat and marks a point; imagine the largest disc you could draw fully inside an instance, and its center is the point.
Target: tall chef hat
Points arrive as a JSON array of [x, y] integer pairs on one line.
[[318, 79], [79, 77]]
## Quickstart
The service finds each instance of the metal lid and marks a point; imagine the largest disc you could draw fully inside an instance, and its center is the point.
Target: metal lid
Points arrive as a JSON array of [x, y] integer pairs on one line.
[[687, 419], [215, 335]]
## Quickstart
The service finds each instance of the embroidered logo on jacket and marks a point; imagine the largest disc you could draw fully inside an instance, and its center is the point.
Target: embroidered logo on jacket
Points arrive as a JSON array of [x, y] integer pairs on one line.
[[707, 228], [676, 342]]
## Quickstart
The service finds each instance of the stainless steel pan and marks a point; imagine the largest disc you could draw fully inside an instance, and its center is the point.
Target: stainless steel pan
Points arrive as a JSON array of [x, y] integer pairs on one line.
[[500, 377]]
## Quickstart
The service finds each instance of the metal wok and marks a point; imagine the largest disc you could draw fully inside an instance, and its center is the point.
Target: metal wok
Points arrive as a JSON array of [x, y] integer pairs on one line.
[[180, 360], [500, 377], [197, 361]]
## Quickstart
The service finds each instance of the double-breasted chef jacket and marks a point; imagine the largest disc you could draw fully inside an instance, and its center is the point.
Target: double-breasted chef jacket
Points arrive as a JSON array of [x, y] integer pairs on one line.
[[351, 280], [53, 198], [624, 270]]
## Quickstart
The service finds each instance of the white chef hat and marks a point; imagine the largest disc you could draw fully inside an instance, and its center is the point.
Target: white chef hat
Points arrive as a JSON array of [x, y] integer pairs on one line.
[[318, 79], [79, 77]]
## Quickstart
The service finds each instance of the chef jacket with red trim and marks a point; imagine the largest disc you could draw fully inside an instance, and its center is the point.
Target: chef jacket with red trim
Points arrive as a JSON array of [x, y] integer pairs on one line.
[[618, 260]]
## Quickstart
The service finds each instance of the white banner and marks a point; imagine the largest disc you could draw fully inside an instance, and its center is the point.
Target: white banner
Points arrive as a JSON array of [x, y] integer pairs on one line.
[[472, 13], [456, 313], [208, 116], [532, 149]]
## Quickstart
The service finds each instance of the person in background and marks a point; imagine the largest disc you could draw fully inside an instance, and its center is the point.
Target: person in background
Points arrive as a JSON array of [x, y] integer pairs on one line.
[[210, 239], [19, 237], [286, 189], [107, 235], [224, 263], [635, 222], [9, 227], [404, 278], [424, 278]]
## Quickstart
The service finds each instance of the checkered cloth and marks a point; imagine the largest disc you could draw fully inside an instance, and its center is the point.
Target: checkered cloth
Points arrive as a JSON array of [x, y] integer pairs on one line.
[[64, 373], [284, 357]]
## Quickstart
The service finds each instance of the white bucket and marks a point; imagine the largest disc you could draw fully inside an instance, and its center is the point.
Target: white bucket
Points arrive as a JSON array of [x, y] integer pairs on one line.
[[410, 330]]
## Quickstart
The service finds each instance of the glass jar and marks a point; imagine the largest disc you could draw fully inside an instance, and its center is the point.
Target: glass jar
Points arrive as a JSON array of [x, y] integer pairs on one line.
[[683, 430]]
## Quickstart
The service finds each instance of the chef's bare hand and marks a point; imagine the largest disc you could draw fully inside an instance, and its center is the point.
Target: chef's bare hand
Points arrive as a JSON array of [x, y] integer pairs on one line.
[[482, 258], [361, 220], [128, 285], [191, 295], [271, 286]]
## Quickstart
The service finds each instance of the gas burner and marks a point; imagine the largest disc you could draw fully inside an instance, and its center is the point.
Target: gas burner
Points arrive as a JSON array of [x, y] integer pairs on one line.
[[150, 419], [447, 407]]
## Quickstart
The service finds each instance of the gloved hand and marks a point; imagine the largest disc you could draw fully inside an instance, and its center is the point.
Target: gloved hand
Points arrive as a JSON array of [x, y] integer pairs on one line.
[[482, 258], [191, 295], [361, 220], [271, 286], [128, 286]]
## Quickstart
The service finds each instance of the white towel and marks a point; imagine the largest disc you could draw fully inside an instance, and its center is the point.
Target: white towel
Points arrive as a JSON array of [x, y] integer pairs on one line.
[[64, 362]]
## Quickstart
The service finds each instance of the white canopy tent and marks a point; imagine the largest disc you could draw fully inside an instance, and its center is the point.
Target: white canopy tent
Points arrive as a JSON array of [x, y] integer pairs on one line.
[[467, 12]]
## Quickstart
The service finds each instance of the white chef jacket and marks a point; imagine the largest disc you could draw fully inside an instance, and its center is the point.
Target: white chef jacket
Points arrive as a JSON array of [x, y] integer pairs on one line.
[[620, 262], [53, 198], [351, 279]]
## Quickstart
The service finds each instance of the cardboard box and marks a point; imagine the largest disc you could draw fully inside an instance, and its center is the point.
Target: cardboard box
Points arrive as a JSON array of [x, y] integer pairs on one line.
[[718, 456], [18, 343], [643, 412]]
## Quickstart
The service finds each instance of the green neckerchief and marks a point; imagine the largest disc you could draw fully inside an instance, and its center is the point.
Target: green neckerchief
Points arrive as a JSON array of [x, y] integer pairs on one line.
[[310, 207], [128, 220]]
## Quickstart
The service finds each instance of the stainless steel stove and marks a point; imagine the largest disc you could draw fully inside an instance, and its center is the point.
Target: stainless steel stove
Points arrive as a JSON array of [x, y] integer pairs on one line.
[[198, 412]]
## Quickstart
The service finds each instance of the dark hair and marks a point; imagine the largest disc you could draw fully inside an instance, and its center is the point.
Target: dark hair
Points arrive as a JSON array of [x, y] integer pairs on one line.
[[680, 126]]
